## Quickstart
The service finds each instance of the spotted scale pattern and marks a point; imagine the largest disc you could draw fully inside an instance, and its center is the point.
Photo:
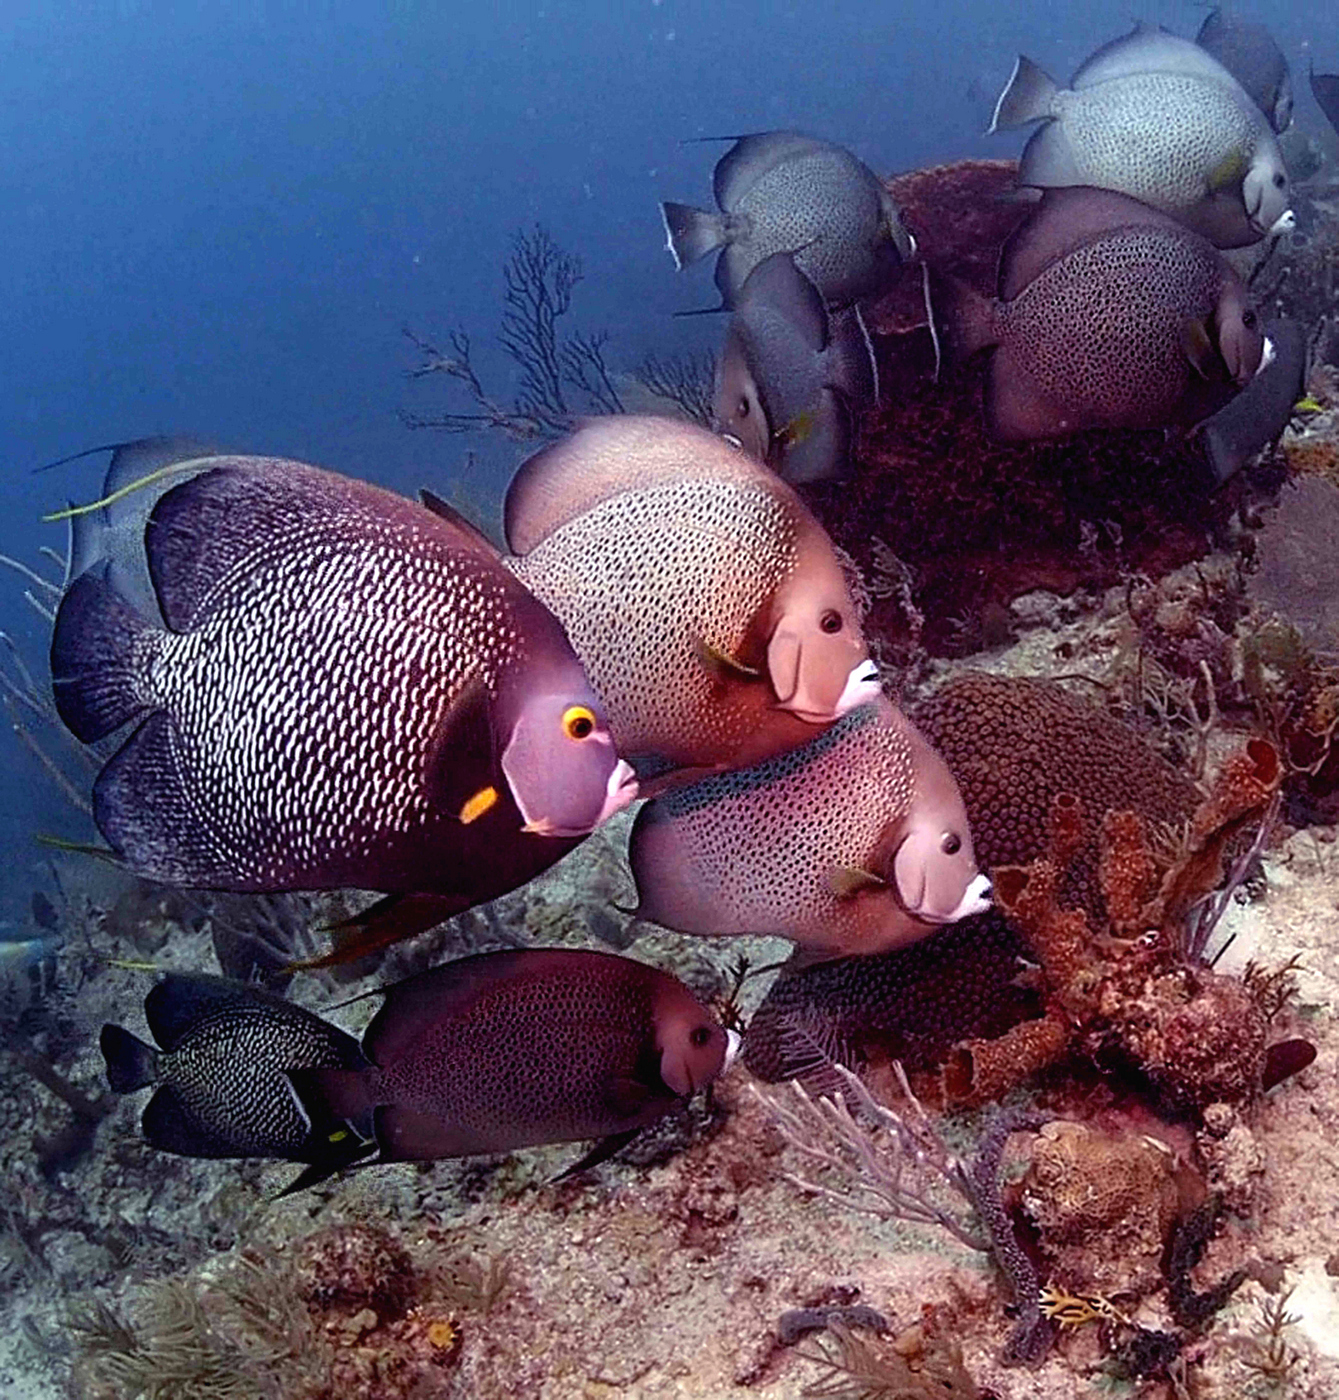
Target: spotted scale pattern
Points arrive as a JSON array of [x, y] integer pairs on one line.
[[309, 696], [1158, 136], [532, 1060], [758, 847], [642, 579], [824, 206], [1100, 332], [228, 1073]]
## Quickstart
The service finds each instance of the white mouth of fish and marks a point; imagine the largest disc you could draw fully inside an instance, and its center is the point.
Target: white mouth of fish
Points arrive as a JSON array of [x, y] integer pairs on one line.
[[862, 686], [620, 790], [1285, 223], [733, 1042]]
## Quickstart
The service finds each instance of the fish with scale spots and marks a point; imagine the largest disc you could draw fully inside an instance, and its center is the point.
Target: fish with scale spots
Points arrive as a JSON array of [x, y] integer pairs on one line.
[[706, 602], [1159, 119], [341, 688], [510, 1049], [857, 843], [1109, 315], [224, 1050], [781, 192]]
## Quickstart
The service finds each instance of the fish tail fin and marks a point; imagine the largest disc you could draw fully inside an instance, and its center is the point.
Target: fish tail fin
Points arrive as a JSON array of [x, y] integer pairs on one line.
[[131, 1064], [96, 662], [691, 233], [389, 920], [1028, 96], [336, 1095], [967, 318]]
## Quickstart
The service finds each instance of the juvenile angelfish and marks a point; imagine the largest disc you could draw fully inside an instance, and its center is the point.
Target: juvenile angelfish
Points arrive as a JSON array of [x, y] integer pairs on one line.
[[706, 602], [1109, 315], [223, 1052], [857, 843], [512, 1049], [1160, 119], [781, 192], [344, 688]]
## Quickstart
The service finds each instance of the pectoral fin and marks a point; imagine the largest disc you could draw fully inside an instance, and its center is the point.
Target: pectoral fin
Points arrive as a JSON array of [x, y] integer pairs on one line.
[[847, 881], [1229, 172], [1199, 349], [724, 667]]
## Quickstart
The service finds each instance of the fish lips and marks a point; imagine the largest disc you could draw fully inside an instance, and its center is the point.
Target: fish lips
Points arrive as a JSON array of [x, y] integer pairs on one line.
[[975, 898], [862, 686], [620, 792]]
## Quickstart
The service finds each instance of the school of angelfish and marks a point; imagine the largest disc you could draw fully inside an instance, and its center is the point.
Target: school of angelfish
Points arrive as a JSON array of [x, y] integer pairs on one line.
[[300, 682]]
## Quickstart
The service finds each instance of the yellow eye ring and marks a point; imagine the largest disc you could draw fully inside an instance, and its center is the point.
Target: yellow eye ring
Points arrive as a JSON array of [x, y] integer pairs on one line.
[[578, 722]]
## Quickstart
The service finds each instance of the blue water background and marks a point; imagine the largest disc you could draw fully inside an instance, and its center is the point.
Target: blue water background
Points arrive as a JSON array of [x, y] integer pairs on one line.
[[217, 218]]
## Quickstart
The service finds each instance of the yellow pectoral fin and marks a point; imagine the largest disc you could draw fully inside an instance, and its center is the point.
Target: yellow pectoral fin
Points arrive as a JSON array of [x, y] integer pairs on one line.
[[726, 667], [795, 432], [1228, 172], [847, 881], [1199, 348]]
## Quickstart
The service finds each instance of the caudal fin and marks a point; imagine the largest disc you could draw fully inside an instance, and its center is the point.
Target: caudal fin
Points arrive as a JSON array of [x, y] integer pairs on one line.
[[691, 233], [131, 1064], [96, 662], [1028, 96]]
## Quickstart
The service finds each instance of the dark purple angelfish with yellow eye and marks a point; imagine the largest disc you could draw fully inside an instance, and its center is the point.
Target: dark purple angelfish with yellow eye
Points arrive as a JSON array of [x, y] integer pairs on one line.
[[1109, 315], [857, 843], [343, 689], [512, 1049]]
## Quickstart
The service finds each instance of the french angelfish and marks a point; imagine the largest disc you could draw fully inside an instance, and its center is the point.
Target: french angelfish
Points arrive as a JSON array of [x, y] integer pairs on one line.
[[1157, 118], [1109, 315], [781, 192], [221, 1067], [791, 375], [1257, 416], [512, 1049], [337, 687], [705, 600], [856, 843], [1325, 89], [1251, 54]]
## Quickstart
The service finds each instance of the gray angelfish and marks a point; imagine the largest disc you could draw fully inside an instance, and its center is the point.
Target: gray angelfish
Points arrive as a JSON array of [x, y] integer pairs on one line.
[[1109, 315], [857, 843], [1159, 119], [791, 376], [512, 1049], [338, 688], [1251, 54], [224, 1050], [781, 192]]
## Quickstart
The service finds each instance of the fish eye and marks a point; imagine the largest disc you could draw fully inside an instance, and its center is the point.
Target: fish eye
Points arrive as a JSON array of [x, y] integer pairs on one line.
[[1280, 179], [1248, 319], [831, 621], [578, 722], [701, 1036], [950, 843], [742, 408]]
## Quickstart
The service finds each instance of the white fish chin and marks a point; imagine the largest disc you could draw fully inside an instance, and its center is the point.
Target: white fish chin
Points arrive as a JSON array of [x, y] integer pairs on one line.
[[1267, 356], [1285, 223], [975, 900], [733, 1042], [862, 686]]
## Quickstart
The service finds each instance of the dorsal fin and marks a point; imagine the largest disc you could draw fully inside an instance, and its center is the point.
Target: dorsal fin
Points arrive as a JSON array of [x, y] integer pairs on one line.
[[414, 1006], [751, 157], [606, 457], [180, 1000]]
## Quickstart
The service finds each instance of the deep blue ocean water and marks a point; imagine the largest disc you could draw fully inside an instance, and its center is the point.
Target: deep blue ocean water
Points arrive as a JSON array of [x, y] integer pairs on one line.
[[217, 218]]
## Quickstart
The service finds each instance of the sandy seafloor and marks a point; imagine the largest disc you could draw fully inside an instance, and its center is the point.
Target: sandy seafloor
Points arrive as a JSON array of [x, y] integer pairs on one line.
[[667, 1279], [661, 1277]]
